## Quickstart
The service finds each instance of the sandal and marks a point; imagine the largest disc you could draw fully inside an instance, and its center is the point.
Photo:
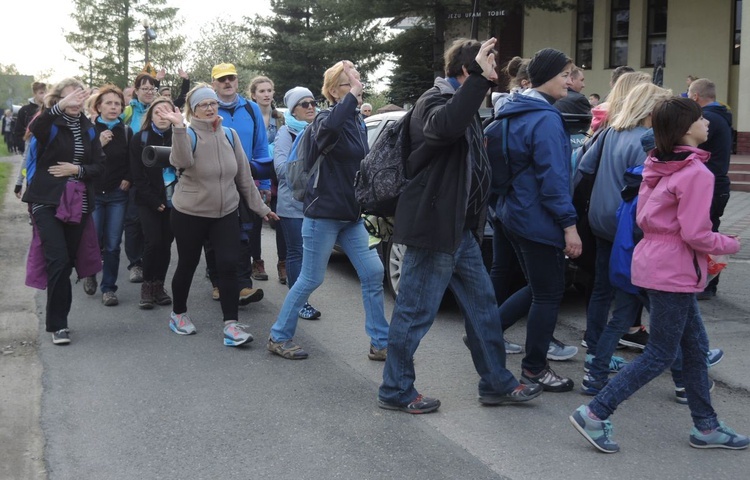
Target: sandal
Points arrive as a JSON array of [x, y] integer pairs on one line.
[[287, 349]]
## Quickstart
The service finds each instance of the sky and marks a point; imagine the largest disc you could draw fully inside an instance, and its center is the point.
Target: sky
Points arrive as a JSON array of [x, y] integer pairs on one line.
[[34, 40]]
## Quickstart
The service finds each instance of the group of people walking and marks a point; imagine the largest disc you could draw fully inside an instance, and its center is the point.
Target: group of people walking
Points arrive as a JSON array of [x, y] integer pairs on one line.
[[204, 195]]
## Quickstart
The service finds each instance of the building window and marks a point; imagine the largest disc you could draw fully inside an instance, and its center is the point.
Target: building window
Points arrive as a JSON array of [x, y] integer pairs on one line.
[[619, 23], [656, 33], [737, 32], [585, 33]]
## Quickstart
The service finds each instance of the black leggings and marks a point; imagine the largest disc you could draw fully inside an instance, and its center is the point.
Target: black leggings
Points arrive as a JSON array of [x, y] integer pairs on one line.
[[190, 232], [157, 243]]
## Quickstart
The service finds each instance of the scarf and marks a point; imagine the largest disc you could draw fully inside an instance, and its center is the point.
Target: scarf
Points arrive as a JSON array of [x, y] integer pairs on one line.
[[295, 126], [230, 105], [109, 123]]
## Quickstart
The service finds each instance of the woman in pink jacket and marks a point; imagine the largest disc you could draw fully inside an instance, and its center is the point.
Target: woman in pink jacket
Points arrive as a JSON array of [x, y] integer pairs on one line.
[[670, 263]]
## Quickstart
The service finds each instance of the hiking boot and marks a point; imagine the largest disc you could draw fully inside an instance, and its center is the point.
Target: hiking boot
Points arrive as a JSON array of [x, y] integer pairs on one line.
[[635, 340], [287, 349], [89, 285], [259, 270], [590, 386], [714, 356], [558, 351], [377, 355], [215, 294], [136, 274], [147, 296], [681, 397], [160, 295], [236, 334], [597, 432], [248, 295], [720, 437], [615, 363], [61, 337], [308, 312], [522, 393], [420, 404], [109, 299], [281, 269], [548, 379], [181, 324]]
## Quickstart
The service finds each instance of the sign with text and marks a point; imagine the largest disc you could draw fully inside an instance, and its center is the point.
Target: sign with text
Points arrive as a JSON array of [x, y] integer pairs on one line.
[[488, 14]]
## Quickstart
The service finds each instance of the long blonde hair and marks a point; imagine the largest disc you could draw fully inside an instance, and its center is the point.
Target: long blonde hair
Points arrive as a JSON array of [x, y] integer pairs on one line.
[[620, 91], [638, 105]]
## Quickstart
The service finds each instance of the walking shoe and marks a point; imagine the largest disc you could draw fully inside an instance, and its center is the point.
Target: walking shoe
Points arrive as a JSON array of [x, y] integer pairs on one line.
[[249, 295], [180, 324], [584, 344], [510, 348], [597, 432], [705, 295], [308, 312], [236, 333], [109, 299], [420, 404], [147, 296], [61, 337], [522, 393], [89, 285], [136, 274], [259, 270], [281, 270], [287, 349], [615, 363], [215, 294], [377, 355], [548, 379], [635, 340], [589, 386], [715, 355], [681, 397], [159, 294], [558, 351], [720, 437]]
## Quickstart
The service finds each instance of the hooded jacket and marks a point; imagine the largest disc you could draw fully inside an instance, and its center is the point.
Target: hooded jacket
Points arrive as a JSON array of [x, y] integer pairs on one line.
[[117, 162], [673, 212], [538, 206], [148, 182], [719, 144]]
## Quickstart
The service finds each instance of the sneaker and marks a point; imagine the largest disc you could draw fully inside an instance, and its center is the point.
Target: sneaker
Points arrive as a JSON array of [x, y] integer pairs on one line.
[[681, 397], [510, 347], [377, 355], [558, 351], [259, 270], [109, 299], [281, 270], [548, 379], [180, 324], [597, 432], [421, 404], [705, 295], [714, 356], [61, 337], [635, 340], [721, 437], [89, 285], [589, 386], [584, 344], [615, 363], [522, 393], [308, 312], [136, 274], [248, 295], [215, 294], [287, 349], [236, 333]]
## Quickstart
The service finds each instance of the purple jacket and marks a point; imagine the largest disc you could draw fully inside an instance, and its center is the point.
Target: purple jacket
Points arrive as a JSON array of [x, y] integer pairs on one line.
[[673, 212]]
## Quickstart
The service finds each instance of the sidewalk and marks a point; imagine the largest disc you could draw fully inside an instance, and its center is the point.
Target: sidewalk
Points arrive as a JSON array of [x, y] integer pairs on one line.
[[736, 221]]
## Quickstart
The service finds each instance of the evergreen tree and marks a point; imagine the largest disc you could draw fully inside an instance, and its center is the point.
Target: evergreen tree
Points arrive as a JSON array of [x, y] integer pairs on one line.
[[412, 73]]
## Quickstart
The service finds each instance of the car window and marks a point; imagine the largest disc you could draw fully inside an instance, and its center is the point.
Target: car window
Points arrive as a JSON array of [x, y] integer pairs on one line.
[[373, 131]]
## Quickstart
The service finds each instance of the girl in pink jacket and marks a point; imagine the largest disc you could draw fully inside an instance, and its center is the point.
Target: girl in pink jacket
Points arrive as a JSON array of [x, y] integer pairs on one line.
[[670, 263]]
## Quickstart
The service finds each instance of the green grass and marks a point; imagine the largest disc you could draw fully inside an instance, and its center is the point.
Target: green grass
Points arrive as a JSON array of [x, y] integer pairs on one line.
[[4, 150], [5, 170]]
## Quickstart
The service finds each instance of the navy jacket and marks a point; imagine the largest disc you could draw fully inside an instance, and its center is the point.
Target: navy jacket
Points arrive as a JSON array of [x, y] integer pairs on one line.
[[148, 182], [117, 162], [719, 143]]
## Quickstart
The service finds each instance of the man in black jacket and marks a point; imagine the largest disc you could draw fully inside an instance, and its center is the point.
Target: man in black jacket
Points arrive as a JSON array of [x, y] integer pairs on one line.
[[438, 217], [575, 101], [27, 112]]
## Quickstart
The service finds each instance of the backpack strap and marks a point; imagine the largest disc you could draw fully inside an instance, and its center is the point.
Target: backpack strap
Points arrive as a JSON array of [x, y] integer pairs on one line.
[[229, 133], [251, 111], [144, 137], [193, 137]]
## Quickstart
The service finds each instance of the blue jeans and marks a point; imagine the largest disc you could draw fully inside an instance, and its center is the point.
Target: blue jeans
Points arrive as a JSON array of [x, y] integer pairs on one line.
[[133, 233], [319, 236], [292, 228], [601, 297], [544, 268], [425, 276], [109, 217], [675, 322]]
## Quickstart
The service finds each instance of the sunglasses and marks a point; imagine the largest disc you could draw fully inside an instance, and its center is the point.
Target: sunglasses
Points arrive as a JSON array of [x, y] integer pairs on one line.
[[308, 104], [225, 78]]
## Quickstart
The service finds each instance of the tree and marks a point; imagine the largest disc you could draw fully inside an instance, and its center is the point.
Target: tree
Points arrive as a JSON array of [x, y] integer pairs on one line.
[[413, 73], [110, 39]]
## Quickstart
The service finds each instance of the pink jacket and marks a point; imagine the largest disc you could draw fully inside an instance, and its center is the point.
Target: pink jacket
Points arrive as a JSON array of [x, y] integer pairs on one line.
[[673, 211]]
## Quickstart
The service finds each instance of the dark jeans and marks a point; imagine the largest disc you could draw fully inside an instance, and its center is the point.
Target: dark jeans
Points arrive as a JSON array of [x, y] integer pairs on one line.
[[505, 270], [158, 237], [133, 233], [292, 228], [602, 294], [254, 236], [191, 232], [675, 322], [60, 245], [718, 204], [109, 215], [544, 268]]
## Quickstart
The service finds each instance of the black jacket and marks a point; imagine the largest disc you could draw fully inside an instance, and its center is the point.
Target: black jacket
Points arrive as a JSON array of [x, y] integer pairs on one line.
[[148, 182], [431, 212], [574, 102], [117, 162], [719, 143], [25, 114], [47, 189]]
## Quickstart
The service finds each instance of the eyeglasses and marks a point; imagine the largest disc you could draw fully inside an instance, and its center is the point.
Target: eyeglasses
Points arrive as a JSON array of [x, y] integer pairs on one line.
[[308, 104], [147, 90], [225, 78], [205, 106]]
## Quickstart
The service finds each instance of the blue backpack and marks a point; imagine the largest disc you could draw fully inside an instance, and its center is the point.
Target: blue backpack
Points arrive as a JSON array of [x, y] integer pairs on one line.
[[628, 234], [33, 153]]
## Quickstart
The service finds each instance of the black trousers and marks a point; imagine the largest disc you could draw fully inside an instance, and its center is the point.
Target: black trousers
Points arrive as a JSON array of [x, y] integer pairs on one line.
[[157, 242]]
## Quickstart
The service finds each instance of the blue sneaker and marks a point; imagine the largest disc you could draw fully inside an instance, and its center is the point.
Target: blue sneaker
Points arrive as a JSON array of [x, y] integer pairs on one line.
[[589, 386], [615, 364], [597, 432], [721, 437], [180, 324], [236, 334], [681, 397], [714, 356], [559, 352], [308, 312]]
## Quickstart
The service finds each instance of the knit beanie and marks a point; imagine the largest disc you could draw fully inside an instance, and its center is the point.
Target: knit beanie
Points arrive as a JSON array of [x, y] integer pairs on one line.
[[204, 93], [545, 65], [295, 95]]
